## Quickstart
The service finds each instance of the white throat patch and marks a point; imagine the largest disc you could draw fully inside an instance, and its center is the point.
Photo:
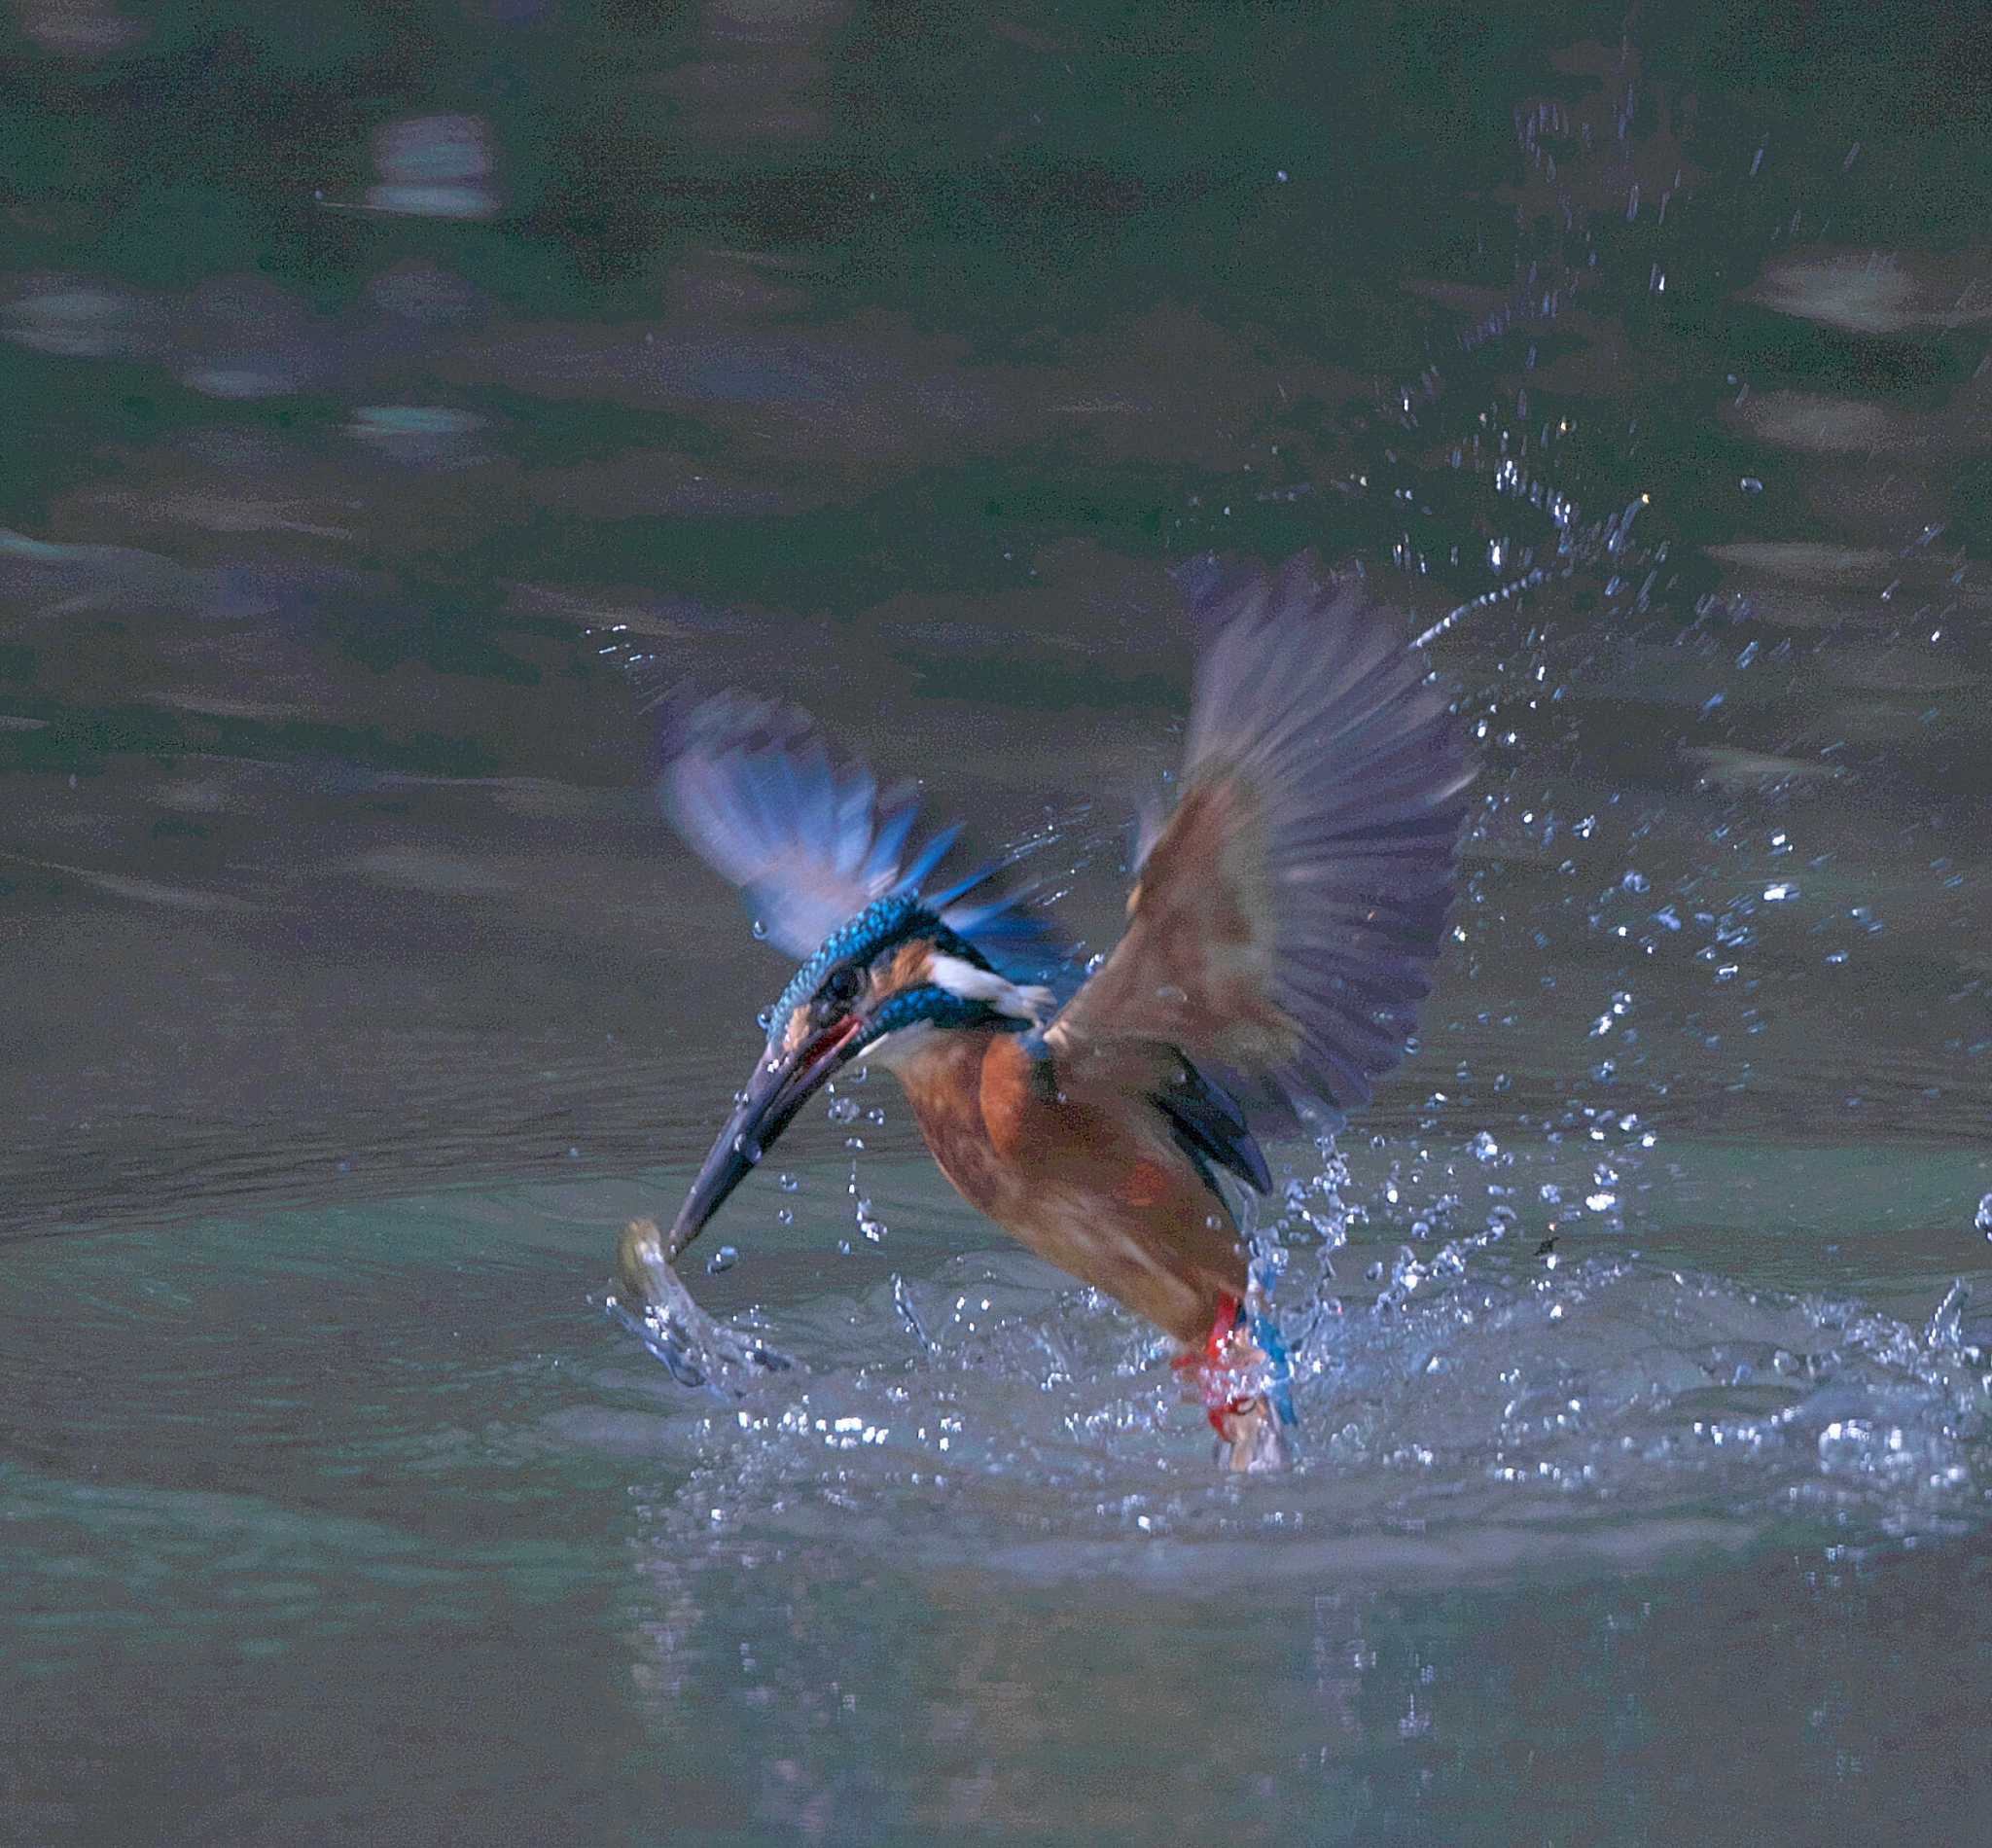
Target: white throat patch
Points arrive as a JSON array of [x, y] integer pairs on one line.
[[971, 983]]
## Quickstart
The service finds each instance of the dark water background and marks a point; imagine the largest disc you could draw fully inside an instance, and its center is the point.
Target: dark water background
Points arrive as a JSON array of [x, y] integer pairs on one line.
[[380, 380]]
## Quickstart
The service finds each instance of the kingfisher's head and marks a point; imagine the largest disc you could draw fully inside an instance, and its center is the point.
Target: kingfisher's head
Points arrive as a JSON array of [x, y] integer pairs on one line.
[[880, 986]]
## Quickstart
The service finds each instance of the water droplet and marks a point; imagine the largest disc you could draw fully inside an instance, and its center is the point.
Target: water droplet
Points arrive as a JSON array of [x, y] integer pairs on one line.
[[724, 1259], [1750, 485], [1984, 1221], [1779, 893], [1946, 1320], [759, 931], [785, 1216], [787, 1183], [1486, 1148], [842, 1110], [747, 1149]]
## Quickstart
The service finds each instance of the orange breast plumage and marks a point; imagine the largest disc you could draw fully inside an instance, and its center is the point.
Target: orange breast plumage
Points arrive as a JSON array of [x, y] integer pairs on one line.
[[1072, 1159]]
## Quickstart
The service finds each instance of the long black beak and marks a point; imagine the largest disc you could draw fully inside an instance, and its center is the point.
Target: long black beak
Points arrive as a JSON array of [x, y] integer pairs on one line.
[[781, 1084]]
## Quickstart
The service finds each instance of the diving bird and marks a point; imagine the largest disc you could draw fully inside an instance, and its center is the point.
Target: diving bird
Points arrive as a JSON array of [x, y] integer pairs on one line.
[[1281, 932]]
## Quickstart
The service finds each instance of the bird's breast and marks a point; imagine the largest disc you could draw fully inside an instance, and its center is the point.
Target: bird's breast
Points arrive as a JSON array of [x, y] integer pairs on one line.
[[972, 1105], [1083, 1174]]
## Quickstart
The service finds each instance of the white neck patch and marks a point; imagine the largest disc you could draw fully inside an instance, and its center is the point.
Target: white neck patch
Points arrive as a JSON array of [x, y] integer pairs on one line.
[[971, 983]]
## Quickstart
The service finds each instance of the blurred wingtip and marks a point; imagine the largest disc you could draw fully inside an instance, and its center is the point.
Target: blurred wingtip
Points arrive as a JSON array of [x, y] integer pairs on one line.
[[809, 837], [1322, 758], [1222, 589]]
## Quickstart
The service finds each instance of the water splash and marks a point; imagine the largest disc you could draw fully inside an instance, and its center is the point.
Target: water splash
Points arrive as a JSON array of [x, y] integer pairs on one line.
[[1486, 1404]]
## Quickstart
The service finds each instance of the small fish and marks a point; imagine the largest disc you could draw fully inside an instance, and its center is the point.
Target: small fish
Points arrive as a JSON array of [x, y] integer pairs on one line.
[[654, 1304]]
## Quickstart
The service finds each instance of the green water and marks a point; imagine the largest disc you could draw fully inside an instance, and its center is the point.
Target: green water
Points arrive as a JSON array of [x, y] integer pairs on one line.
[[396, 396], [354, 1519]]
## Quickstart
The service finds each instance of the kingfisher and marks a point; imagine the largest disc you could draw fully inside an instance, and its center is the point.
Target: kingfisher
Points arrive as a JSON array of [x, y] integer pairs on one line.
[[1282, 928]]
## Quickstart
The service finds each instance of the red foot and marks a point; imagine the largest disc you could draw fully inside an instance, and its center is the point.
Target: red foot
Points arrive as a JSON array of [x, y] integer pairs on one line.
[[1219, 1407]]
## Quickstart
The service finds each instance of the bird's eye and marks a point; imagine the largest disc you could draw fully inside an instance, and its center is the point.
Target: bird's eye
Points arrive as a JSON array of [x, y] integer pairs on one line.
[[841, 988]]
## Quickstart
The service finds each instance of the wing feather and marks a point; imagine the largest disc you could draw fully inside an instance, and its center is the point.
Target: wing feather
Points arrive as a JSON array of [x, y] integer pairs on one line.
[[811, 842], [1287, 915]]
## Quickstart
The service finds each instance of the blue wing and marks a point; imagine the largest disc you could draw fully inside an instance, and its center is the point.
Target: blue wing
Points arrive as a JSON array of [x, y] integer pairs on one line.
[[811, 842]]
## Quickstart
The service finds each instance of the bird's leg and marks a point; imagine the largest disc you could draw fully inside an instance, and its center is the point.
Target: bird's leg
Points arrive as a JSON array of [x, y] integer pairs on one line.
[[1225, 1370], [1214, 1379]]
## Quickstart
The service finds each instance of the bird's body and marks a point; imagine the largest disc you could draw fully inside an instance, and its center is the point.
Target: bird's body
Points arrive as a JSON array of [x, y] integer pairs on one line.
[[1079, 1168], [1281, 932]]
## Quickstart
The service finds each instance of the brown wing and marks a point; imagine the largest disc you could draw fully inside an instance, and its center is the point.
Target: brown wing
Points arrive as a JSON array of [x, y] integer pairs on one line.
[[1285, 920]]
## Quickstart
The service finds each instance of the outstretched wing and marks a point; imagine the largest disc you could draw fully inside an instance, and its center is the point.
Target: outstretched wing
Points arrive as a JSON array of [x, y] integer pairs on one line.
[[1287, 915], [810, 841]]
